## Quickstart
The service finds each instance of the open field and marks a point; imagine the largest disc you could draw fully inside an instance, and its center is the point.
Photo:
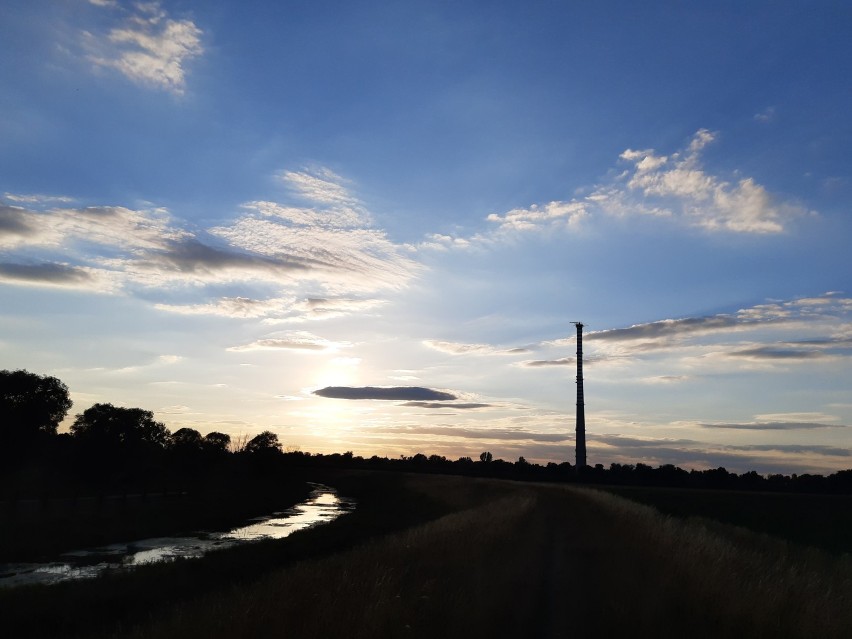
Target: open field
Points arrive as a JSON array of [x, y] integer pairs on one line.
[[822, 521], [426, 556]]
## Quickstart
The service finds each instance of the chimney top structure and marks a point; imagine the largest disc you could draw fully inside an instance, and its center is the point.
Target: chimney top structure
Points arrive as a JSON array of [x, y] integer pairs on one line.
[[580, 428]]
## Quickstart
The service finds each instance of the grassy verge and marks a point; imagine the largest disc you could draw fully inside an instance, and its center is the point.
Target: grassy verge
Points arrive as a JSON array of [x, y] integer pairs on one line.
[[517, 560], [821, 521]]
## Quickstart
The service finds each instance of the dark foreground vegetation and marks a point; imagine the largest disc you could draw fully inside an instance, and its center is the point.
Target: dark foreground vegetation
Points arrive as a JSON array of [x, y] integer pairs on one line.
[[435, 547], [427, 556]]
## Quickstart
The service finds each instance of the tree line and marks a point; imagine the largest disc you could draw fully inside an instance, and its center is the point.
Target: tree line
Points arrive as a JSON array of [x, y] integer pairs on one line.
[[108, 447], [127, 448]]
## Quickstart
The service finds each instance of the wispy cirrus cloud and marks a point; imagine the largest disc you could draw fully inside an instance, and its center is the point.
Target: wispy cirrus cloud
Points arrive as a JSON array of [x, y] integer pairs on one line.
[[276, 310], [560, 361], [148, 47], [504, 434], [323, 186], [68, 229], [777, 336], [774, 353], [460, 348], [773, 426], [668, 328], [321, 261], [236, 307], [294, 340], [828, 311]]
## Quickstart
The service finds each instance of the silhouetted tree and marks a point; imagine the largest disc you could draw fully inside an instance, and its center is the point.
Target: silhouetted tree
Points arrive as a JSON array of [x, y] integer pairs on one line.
[[265, 442], [216, 441], [419, 459], [485, 457], [108, 427], [31, 407], [186, 439]]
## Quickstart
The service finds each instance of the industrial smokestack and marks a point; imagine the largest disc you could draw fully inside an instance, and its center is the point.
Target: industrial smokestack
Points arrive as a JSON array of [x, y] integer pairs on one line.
[[581, 411]]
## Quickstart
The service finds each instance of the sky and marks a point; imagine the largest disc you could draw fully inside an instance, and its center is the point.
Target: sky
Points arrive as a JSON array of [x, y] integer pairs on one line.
[[368, 226]]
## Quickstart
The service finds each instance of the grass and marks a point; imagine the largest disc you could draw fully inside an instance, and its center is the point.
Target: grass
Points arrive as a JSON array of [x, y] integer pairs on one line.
[[426, 556], [821, 521], [538, 561]]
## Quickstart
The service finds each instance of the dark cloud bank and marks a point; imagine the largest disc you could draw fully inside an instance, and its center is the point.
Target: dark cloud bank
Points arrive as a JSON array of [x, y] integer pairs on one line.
[[394, 393]]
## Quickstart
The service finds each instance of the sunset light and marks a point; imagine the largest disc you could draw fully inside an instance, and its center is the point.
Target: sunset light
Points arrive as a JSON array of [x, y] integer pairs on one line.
[[215, 211]]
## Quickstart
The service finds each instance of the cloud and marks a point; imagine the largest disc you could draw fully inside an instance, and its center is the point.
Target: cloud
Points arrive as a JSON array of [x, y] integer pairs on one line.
[[236, 307], [773, 426], [562, 361], [191, 259], [766, 116], [46, 274], [680, 451], [361, 259], [323, 186], [34, 198], [802, 417], [568, 214], [460, 406], [680, 185], [758, 336], [318, 308], [667, 328], [493, 434], [68, 229], [17, 226], [784, 421], [149, 48], [440, 242], [396, 393], [296, 340], [770, 353], [276, 310], [319, 262], [458, 348], [665, 379], [675, 187]]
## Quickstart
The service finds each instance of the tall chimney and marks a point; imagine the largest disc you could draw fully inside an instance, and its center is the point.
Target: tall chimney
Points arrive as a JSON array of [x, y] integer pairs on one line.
[[581, 411]]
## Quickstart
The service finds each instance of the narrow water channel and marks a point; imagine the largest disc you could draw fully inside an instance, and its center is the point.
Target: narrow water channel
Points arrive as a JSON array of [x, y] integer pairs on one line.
[[323, 505]]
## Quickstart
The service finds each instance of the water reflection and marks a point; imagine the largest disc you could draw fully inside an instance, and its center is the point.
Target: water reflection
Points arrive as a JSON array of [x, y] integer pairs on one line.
[[322, 506]]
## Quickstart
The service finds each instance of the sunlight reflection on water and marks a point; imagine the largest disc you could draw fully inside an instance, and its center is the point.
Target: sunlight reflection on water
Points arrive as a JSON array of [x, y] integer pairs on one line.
[[322, 506]]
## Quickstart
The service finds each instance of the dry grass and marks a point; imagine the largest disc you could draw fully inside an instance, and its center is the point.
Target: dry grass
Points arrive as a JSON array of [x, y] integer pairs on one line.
[[421, 582], [488, 558], [749, 584], [539, 561]]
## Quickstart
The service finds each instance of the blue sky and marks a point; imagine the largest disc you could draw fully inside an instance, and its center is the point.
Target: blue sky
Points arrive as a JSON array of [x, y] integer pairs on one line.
[[214, 210]]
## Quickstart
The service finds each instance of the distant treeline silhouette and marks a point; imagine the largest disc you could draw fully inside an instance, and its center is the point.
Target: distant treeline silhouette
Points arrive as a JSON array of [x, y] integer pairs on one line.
[[112, 448]]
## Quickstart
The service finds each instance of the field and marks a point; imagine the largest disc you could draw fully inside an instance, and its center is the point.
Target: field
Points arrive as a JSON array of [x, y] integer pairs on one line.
[[822, 521], [427, 556]]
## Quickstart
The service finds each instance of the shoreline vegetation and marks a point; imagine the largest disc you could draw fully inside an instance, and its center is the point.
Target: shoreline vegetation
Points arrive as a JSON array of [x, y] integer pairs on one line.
[[435, 555], [42, 529]]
